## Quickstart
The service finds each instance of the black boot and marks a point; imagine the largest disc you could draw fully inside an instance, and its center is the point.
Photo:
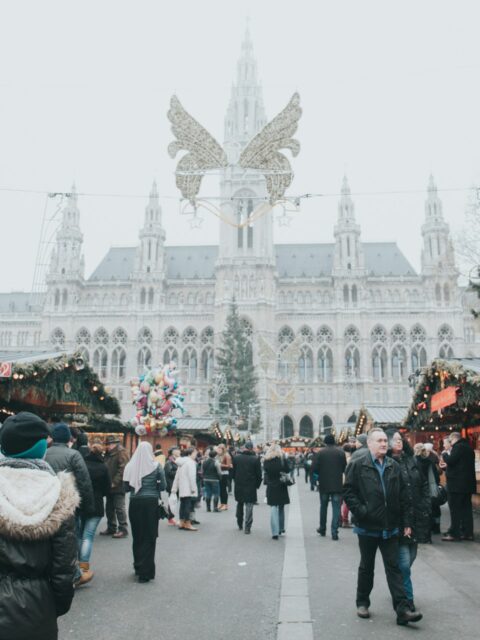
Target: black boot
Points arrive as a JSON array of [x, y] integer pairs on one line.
[[208, 502], [215, 504]]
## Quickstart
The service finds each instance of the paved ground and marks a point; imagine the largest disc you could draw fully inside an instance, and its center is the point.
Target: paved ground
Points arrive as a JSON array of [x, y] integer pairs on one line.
[[219, 583]]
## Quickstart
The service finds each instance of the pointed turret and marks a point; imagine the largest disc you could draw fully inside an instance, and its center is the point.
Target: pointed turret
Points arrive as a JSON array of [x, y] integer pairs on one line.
[[437, 250], [246, 113], [150, 253], [66, 261], [348, 250]]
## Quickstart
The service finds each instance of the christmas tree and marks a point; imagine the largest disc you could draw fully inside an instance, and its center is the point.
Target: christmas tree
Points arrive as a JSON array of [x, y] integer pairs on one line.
[[235, 364]]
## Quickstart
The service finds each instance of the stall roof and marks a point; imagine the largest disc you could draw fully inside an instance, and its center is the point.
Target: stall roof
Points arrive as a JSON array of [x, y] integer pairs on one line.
[[384, 415], [194, 424]]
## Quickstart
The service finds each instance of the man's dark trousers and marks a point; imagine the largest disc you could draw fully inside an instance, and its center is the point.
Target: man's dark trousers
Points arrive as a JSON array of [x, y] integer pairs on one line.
[[248, 514], [460, 505], [336, 499], [389, 550]]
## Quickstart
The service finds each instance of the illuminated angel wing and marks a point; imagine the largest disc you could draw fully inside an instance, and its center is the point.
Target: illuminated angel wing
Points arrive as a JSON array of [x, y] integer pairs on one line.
[[291, 354], [204, 152], [263, 152], [266, 354]]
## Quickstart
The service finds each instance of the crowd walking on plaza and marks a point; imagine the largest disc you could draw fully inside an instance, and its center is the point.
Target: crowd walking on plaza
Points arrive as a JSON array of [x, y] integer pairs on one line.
[[56, 486]]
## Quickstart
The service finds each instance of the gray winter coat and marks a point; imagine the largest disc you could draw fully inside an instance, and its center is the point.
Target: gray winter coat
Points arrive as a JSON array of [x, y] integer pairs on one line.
[[61, 458]]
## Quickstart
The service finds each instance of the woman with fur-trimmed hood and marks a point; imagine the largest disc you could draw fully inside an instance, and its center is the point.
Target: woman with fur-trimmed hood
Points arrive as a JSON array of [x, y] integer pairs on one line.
[[38, 547]]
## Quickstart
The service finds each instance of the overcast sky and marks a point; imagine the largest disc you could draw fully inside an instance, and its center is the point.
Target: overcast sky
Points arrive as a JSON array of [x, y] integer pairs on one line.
[[390, 93]]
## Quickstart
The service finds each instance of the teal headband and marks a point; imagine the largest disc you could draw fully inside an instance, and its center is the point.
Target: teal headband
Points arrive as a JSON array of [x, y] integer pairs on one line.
[[37, 452]]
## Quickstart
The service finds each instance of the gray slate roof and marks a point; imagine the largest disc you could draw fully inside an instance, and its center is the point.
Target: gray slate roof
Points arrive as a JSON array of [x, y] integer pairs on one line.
[[386, 415], [15, 302], [293, 261]]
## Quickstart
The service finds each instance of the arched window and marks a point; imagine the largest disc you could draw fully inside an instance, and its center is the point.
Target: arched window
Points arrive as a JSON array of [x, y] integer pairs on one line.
[[189, 336], [207, 364], [306, 427], [101, 336], [325, 364], [189, 364], [64, 298], [351, 335], [354, 295], [399, 363], [150, 297], [143, 297], [398, 334], [170, 355], [326, 424], [446, 352], [144, 360], [305, 365], [285, 338], [100, 362], [306, 334], [119, 359], [145, 336], [57, 297], [325, 335], [346, 297], [417, 334], [206, 337], [446, 293], [57, 339], [119, 336], [438, 293], [378, 335], [170, 336], [445, 333], [286, 427], [352, 362], [379, 363], [83, 336], [419, 357]]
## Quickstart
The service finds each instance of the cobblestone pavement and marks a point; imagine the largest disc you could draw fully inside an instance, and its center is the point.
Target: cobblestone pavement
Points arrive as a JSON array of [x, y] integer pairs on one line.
[[219, 583]]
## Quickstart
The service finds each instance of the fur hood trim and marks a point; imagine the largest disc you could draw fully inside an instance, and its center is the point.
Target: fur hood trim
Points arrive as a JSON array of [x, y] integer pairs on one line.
[[34, 504]]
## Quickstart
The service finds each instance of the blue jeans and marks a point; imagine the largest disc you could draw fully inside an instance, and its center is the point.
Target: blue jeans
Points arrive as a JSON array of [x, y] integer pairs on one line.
[[277, 519], [406, 557], [211, 488], [89, 527], [336, 499]]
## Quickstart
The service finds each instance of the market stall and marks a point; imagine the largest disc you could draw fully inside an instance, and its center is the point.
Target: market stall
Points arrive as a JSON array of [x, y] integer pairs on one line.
[[52, 385], [380, 416], [447, 398]]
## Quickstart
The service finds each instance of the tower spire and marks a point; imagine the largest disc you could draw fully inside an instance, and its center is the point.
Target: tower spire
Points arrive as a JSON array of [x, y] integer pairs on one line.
[[348, 249]]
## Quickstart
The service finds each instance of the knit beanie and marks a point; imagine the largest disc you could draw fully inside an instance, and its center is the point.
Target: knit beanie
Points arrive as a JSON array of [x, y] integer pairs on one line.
[[61, 433], [22, 432], [362, 439]]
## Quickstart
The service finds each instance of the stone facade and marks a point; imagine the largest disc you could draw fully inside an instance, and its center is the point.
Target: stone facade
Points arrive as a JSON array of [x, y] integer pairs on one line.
[[332, 325]]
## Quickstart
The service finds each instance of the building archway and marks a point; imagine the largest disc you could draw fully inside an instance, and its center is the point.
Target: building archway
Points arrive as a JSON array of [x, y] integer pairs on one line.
[[327, 424], [306, 427], [286, 427]]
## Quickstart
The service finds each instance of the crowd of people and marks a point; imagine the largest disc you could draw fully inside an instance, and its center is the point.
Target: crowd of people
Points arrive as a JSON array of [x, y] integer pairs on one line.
[[56, 487]]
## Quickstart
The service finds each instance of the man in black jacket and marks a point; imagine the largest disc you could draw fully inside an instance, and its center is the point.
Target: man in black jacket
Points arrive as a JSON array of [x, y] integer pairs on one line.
[[459, 464], [247, 473], [329, 464], [376, 495]]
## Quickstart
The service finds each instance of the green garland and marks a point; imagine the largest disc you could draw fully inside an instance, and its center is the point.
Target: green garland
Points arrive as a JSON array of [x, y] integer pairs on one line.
[[57, 380], [437, 376]]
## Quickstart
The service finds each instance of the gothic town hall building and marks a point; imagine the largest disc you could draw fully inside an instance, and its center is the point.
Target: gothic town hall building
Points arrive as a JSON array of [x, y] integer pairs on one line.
[[359, 317]]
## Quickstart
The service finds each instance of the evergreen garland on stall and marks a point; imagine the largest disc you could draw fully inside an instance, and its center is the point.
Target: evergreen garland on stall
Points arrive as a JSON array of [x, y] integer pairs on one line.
[[235, 362], [56, 380], [436, 377]]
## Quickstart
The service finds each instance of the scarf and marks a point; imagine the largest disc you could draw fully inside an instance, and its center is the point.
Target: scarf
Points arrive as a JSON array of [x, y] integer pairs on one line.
[[142, 464]]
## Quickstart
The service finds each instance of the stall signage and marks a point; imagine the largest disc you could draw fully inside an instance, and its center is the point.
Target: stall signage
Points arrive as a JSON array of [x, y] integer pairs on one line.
[[5, 369], [443, 398]]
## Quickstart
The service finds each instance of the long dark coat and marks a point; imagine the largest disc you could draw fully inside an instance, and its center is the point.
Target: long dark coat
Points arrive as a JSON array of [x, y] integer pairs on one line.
[[247, 472], [100, 482], [329, 463], [277, 492], [461, 468], [419, 491]]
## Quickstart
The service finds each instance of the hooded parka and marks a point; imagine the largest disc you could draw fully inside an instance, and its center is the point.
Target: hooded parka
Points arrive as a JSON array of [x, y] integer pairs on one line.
[[38, 548]]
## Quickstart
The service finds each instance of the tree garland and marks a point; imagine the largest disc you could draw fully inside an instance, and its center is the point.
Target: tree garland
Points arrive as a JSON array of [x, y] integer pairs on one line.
[[66, 378], [437, 376]]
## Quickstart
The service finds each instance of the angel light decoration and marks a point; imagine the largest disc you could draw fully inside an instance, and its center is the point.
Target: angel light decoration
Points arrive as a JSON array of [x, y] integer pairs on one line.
[[262, 153]]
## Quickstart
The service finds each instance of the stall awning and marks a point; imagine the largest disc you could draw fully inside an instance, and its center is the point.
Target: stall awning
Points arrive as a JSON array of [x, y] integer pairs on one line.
[[380, 415]]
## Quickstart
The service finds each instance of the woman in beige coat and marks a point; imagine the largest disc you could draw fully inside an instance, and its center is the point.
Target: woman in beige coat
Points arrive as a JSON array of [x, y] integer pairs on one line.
[[185, 484]]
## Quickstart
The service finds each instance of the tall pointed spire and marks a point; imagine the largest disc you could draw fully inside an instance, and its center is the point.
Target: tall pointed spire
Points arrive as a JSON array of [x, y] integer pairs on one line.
[[346, 208], [348, 249], [437, 244], [245, 114]]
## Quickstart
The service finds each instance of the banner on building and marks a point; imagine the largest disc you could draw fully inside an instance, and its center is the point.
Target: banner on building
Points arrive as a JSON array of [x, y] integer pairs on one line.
[[443, 398]]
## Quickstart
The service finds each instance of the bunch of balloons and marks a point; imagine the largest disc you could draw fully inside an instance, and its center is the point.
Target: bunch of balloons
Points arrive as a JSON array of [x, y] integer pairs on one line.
[[156, 394]]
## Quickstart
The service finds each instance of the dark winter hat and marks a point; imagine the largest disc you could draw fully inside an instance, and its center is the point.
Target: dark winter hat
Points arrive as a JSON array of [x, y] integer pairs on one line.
[[61, 433], [21, 432], [112, 440], [362, 439], [329, 439], [248, 444]]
